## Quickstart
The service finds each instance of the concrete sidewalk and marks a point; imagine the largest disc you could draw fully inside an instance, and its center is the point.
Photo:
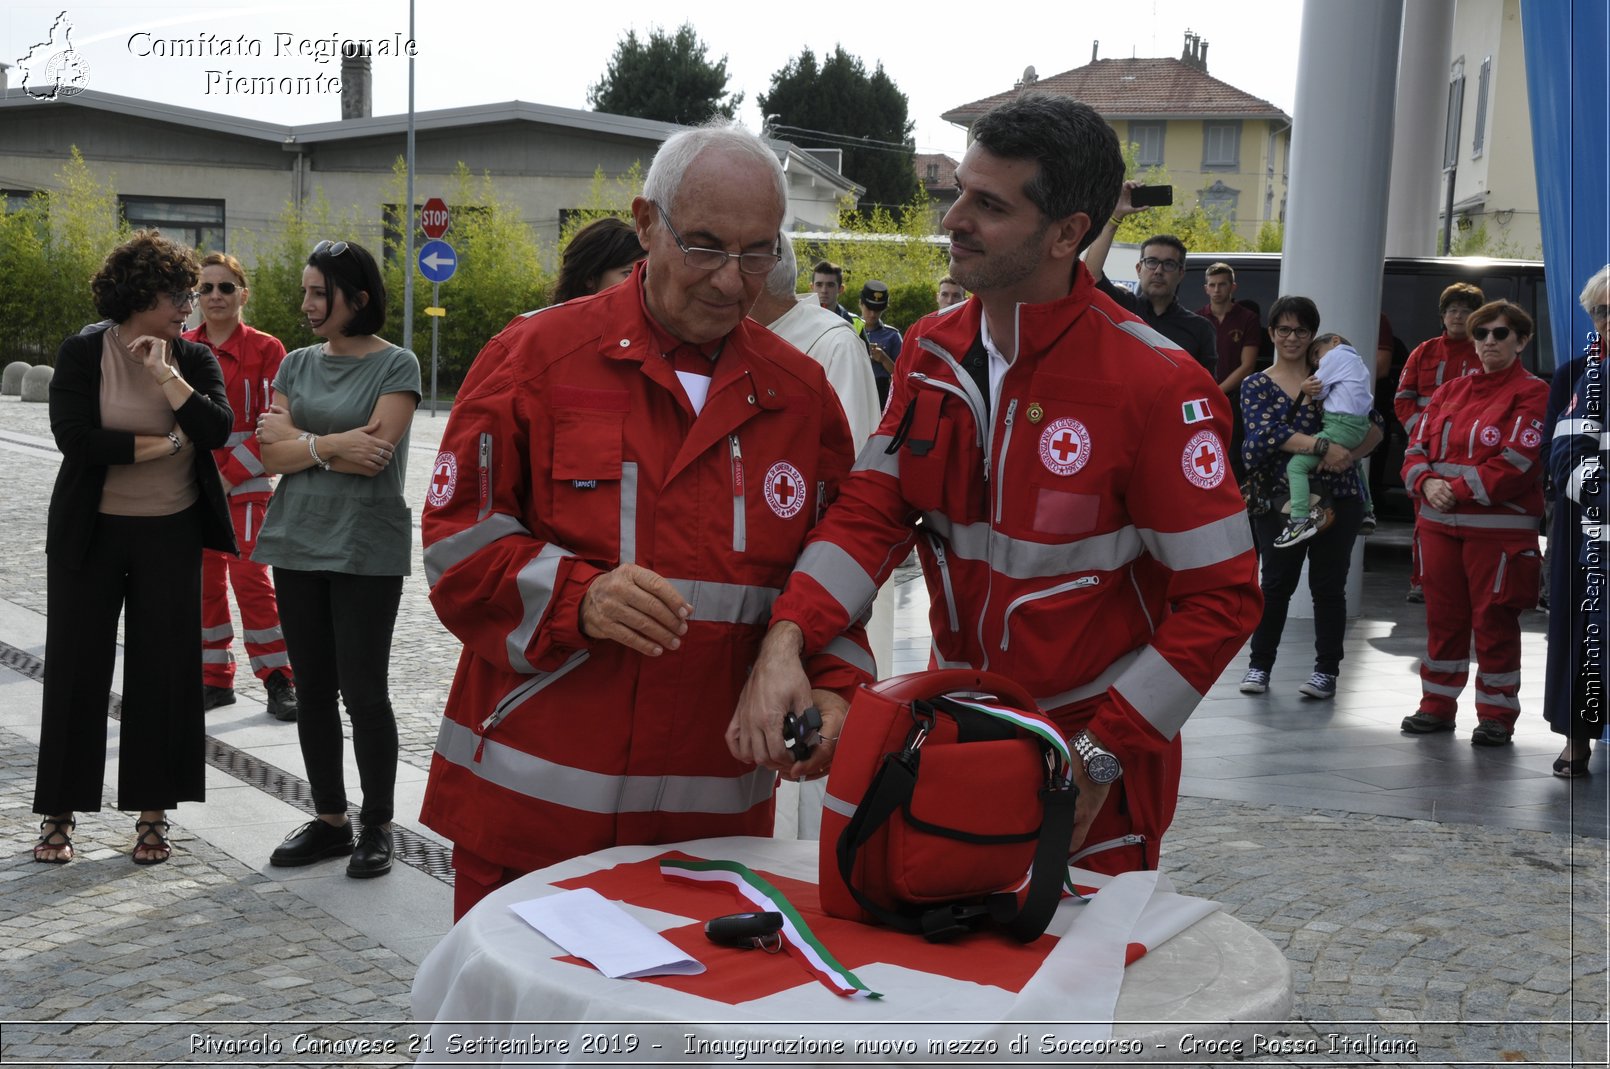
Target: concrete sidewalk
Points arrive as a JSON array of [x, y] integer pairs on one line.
[[1422, 889]]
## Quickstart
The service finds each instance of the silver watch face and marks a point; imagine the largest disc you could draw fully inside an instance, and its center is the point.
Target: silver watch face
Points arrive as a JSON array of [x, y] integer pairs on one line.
[[1102, 767]]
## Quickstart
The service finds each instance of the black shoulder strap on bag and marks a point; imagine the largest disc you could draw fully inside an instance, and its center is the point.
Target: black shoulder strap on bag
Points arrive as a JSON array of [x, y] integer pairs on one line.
[[891, 789]]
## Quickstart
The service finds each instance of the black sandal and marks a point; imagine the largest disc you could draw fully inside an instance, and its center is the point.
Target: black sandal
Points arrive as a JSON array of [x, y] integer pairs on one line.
[[56, 838], [147, 837]]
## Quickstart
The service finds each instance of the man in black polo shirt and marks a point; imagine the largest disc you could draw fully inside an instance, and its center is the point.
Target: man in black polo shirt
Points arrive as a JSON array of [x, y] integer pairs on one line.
[[1160, 271]]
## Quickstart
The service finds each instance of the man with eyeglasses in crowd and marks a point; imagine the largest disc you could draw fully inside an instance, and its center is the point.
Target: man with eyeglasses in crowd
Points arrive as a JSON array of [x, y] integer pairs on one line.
[[1159, 272], [624, 484]]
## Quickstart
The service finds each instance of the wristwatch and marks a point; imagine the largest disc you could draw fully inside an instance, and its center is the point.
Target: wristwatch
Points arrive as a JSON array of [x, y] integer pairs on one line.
[[1100, 764]]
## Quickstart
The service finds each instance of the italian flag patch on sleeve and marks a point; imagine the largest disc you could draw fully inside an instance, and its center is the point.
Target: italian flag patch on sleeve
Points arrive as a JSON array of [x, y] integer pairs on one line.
[[1196, 411]]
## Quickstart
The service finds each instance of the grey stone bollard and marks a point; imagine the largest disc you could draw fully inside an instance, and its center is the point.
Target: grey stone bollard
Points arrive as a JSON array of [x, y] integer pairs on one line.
[[36, 383], [11, 379]]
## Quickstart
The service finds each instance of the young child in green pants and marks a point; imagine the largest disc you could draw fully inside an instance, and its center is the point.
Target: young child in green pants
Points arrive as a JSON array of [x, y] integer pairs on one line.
[[1346, 388]]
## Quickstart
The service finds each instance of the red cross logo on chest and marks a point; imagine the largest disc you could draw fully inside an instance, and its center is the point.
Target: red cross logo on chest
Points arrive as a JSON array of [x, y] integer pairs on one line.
[[1064, 446], [784, 489]]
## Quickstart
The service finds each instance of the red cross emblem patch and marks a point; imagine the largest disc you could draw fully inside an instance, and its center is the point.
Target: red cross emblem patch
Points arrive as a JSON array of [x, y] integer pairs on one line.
[[1203, 461], [443, 479], [1531, 438], [1064, 446], [784, 489]]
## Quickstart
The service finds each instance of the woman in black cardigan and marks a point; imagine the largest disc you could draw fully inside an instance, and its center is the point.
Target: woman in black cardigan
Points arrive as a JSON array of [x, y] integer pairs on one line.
[[136, 412]]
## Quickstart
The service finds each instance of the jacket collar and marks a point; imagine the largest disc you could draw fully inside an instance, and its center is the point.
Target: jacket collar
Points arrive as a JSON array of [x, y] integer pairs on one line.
[[1038, 325]]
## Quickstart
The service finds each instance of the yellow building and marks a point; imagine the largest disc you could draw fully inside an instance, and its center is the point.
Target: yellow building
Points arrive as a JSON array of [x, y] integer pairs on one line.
[[1222, 148]]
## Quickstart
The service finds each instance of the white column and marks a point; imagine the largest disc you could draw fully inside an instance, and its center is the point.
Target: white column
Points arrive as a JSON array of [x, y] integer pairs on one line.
[[1421, 115], [1341, 167]]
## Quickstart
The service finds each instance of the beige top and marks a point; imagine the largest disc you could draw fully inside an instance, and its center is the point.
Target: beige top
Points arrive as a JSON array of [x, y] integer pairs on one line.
[[132, 401]]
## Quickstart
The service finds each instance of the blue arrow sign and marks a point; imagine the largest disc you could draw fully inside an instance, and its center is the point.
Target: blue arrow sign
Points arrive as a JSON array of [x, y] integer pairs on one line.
[[437, 261]]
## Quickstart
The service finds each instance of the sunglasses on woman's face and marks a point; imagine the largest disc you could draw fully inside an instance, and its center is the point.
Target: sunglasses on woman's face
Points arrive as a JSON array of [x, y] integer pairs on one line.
[[1498, 333], [331, 248], [226, 288]]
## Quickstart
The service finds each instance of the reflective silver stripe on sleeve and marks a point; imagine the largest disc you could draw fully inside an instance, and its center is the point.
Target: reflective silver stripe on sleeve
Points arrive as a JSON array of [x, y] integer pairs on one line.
[[1200, 547], [1019, 559], [1587, 471], [1503, 701], [1428, 687], [1403, 395], [1522, 463], [1092, 689], [264, 636], [258, 485], [1409, 424], [220, 633], [1158, 692], [875, 457], [248, 460], [535, 583], [1499, 679], [1489, 522], [629, 512], [1478, 489], [1453, 667], [440, 556], [1411, 476], [270, 660], [1570, 428], [1147, 335], [727, 603], [845, 581], [597, 792], [236, 437], [850, 653]]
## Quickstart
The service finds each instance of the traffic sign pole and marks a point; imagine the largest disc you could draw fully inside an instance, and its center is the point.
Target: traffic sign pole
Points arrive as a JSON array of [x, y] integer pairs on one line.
[[435, 332]]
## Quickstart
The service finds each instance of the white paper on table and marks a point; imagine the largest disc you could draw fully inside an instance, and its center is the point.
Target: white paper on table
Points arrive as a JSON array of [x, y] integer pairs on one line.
[[590, 926]]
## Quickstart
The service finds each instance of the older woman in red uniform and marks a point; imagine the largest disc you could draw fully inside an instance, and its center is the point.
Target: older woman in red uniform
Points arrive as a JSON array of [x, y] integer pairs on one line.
[[1473, 467]]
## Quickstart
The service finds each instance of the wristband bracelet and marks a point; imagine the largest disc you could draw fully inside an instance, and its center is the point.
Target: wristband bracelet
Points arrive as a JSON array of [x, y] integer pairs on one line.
[[1114, 222], [171, 376], [1321, 446], [177, 444], [313, 450]]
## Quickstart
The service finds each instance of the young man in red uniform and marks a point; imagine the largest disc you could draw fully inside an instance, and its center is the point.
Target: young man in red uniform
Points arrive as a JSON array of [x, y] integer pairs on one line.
[[1448, 356], [249, 360], [1080, 531], [1473, 468], [624, 484]]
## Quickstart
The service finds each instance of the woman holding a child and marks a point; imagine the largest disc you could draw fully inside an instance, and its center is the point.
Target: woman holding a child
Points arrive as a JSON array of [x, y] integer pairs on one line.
[[1283, 422], [1473, 467]]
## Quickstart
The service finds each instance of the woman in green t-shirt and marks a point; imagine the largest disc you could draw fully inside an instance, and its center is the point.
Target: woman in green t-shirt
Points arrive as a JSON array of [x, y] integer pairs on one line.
[[339, 536]]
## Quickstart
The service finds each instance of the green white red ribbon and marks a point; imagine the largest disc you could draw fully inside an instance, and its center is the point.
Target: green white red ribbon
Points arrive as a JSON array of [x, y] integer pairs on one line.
[[797, 936]]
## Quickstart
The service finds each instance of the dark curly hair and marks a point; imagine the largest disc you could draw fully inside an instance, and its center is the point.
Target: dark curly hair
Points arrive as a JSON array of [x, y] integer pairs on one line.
[[599, 246], [138, 272]]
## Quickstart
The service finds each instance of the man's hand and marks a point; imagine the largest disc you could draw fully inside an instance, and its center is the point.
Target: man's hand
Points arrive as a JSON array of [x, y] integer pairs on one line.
[[833, 709], [777, 684], [1124, 208], [637, 608], [1439, 495], [1337, 458]]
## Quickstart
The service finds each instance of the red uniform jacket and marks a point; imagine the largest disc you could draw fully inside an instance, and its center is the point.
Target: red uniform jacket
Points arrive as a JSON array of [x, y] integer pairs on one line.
[[571, 449], [249, 360], [1482, 433], [1085, 538], [1433, 363]]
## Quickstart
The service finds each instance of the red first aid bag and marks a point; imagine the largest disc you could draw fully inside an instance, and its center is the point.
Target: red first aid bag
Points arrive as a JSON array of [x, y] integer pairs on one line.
[[950, 805]]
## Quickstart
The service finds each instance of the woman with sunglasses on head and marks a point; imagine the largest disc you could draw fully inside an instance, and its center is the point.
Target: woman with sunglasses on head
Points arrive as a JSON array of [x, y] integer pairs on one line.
[[339, 537], [1280, 424], [249, 360], [136, 412], [1473, 466]]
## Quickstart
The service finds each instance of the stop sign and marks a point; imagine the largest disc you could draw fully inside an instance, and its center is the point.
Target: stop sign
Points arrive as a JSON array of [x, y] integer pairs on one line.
[[433, 218]]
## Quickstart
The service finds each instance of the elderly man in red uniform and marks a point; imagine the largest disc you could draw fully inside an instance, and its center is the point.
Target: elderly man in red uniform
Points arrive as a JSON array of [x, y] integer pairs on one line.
[[1448, 356], [1080, 531], [624, 484], [249, 360]]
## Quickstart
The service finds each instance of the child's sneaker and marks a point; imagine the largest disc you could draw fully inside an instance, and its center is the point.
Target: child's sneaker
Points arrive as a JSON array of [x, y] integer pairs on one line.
[[1297, 531], [1319, 685], [1256, 681], [1367, 525]]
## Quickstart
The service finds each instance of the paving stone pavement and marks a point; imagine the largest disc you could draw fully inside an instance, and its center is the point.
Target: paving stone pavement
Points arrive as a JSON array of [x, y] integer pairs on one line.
[[1480, 945]]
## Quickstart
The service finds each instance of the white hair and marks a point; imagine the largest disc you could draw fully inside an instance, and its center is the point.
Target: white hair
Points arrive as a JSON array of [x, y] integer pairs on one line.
[[1597, 289], [785, 276], [677, 154]]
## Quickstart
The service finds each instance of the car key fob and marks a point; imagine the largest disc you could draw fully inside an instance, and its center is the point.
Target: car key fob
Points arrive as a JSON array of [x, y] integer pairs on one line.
[[743, 929], [797, 732]]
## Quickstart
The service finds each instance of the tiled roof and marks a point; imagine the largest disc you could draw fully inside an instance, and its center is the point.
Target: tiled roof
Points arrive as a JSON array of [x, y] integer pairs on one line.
[[1135, 88], [944, 176]]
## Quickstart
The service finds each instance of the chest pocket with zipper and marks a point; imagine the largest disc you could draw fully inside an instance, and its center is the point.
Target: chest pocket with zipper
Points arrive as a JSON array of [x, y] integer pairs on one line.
[[941, 458]]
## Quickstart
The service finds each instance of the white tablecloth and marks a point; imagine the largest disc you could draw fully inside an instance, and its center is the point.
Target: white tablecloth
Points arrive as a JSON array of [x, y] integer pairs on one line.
[[496, 988]]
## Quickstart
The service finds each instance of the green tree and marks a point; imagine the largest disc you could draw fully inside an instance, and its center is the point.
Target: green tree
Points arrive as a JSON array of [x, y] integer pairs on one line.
[[56, 241], [274, 267], [666, 77], [837, 104], [1192, 224], [892, 246]]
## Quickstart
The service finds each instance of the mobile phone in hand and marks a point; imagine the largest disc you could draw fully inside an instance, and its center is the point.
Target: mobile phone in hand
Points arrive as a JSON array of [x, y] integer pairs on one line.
[[1151, 196]]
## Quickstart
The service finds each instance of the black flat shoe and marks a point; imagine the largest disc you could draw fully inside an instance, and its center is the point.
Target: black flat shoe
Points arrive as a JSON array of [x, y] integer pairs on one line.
[[372, 856], [1570, 767], [313, 841]]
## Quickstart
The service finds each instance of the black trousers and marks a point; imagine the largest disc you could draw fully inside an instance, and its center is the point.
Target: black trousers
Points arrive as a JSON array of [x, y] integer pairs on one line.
[[338, 632], [1329, 556], [147, 569]]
